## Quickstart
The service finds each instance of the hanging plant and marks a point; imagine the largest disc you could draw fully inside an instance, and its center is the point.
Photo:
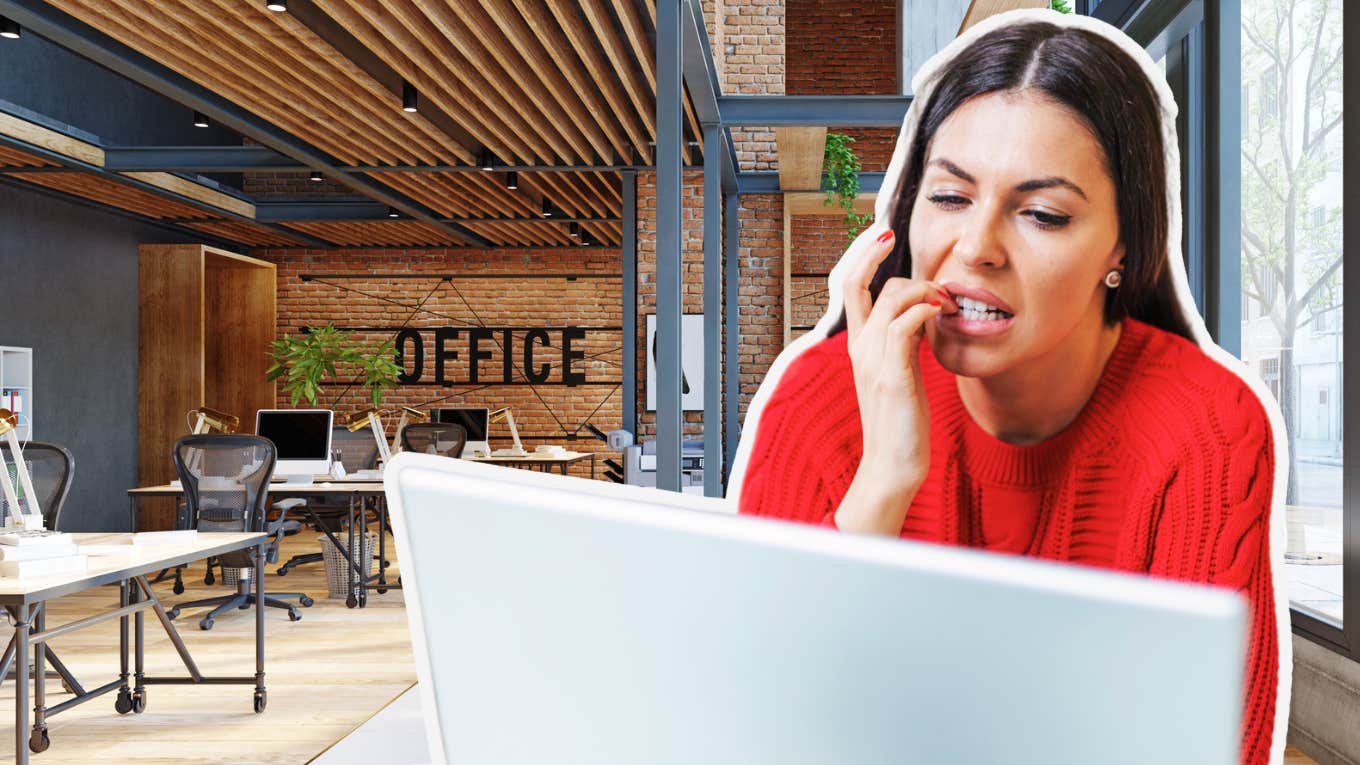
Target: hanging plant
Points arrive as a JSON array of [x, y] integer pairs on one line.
[[1060, 6], [305, 361], [840, 168]]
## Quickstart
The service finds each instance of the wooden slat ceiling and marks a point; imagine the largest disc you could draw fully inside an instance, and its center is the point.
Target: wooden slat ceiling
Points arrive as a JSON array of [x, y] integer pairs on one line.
[[384, 233], [114, 194], [563, 82], [245, 233], [15, 158]]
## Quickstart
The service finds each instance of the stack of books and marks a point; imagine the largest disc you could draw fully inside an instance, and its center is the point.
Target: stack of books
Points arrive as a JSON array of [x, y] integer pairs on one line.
[[26, 553]]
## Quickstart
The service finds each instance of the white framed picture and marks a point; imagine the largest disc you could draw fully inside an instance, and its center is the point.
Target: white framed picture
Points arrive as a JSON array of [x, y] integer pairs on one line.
[[691, 362]]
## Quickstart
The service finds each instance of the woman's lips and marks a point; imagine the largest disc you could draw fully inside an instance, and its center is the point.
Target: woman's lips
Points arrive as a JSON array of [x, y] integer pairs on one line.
[[955, 322]]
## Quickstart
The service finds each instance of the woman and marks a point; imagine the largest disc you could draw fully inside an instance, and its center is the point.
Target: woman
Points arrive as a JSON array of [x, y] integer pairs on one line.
[[1015, 367]]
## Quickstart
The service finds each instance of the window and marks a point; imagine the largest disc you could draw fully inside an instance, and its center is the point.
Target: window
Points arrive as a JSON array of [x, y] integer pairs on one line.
[[1288, 145]]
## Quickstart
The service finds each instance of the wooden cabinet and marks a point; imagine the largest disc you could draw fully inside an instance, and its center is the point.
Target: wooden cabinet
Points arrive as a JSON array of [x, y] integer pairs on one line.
[[205, 321]]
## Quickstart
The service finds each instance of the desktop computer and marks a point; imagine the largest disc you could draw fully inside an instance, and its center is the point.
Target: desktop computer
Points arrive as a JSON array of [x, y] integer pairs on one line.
[[475, 421], [302, 438]]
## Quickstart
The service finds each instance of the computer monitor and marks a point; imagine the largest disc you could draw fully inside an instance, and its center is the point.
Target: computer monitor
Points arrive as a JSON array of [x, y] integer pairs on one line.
[[631, 628], [474, 421], [302, 438]]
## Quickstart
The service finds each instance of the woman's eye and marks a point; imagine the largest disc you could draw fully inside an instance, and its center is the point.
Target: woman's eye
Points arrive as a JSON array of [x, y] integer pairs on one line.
[[1048, 220], [947, 201]]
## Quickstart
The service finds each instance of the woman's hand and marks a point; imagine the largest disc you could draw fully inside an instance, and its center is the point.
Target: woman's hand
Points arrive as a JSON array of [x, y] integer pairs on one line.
[[883, 338]]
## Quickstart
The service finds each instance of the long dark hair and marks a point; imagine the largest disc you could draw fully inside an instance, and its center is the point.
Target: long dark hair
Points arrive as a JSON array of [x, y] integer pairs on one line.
[[1102, 84]]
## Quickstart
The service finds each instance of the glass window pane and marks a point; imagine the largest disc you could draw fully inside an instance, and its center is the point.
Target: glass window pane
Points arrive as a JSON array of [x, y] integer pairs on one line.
[[1291, 269]]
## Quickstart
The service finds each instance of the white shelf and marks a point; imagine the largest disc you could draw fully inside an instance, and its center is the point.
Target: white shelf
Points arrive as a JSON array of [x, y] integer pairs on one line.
[[16, 374]]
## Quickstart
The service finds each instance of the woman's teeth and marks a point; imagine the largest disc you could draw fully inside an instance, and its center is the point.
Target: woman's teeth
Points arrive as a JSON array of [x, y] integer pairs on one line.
[[979, 311]]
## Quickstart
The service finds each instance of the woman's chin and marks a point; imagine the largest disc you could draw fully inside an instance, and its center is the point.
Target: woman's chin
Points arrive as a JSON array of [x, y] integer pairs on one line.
[[966, 356]]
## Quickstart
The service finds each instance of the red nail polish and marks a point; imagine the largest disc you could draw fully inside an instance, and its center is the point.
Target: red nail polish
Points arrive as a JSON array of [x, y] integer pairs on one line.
[[935, 303], [885, 236]]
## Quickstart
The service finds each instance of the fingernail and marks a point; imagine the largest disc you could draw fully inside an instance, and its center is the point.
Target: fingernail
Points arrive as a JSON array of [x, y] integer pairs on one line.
[[935, 303], [885, 236]]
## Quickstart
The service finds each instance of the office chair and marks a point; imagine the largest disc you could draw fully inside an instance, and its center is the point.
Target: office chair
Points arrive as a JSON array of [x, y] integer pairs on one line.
[[357, 452], [50, 466], [446, 439], [226, 481]]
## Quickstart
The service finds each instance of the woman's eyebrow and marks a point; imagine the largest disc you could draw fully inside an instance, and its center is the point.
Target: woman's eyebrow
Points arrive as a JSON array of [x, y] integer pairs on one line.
[[1032, 185]]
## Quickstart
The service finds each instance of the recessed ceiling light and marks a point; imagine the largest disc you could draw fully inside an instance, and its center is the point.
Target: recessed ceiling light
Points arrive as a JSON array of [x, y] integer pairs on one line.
[[393, 213], [277, 6], [317, 176]]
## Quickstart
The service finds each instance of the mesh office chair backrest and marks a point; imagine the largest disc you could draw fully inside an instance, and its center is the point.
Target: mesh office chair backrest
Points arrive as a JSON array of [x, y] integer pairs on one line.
[[50, 466], [446, 439], [358, 451], [226, 483]]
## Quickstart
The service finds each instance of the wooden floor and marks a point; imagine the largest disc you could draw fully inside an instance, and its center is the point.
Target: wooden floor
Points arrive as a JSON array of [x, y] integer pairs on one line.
[[326, 674]]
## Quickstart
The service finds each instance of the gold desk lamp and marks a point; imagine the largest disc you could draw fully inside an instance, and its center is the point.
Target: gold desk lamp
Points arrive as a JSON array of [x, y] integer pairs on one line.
[[206, 420], [9, 429], [409, 416], [505, 415], [372, 419]]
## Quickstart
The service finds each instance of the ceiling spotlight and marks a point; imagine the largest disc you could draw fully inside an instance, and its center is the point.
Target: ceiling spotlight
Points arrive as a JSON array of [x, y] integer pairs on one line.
[[512, 180], [488, 160], [410, 97], [574, 230], [277, 6], [392, 213], [317, 176], [200, 119], [9, 28], [585, 239], [547, 208]]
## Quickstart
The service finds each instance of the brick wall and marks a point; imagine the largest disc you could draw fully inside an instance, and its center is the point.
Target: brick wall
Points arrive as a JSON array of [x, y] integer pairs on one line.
[[821, 240], [542, 412], [292, 186], [761, 297], [747, 37], [841, 47]]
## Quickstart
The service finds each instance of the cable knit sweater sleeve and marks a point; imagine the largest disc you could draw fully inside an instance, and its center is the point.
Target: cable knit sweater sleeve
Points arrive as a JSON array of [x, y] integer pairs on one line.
[[793, 451], [1214, 527]]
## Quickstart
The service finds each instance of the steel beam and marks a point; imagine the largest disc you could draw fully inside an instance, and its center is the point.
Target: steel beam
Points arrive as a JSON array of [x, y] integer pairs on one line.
[[732, 370], [628, 254], [1223, 172], [669, 136], [198, 159], [814, 111], [767, 182], [701, 79], [61, 29], [713, 445]]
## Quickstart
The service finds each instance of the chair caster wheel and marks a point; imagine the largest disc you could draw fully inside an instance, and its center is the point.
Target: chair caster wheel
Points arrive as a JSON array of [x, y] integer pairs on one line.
[[206, 624], [123, 704], [138, 702], [39, 741], [261, 700], [293, 615], [306, 601], [382, 590], [351, 601], [208, 578], [243, 607], [282, 571], [178, 589], [172, 613]]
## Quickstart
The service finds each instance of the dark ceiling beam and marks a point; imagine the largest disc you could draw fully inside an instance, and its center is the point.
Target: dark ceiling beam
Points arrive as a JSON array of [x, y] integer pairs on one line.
[[701, 80], [244, 159], [767, 182], [814, 111], [198, 159], [61, 29], [71, 164], [339, 38], [367, 211]]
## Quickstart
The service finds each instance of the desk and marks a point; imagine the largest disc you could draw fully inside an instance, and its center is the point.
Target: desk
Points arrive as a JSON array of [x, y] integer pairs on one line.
[[25, 599], [357, 492], [541, 461]]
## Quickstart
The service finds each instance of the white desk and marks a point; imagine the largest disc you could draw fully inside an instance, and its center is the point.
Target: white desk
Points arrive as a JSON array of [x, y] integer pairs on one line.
[[25, 599]]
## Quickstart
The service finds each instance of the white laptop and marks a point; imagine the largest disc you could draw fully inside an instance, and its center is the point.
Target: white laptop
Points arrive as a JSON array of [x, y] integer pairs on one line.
[[561, 620]]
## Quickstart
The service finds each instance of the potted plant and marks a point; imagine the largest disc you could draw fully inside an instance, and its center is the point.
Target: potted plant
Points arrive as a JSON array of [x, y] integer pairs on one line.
[[305, 361]]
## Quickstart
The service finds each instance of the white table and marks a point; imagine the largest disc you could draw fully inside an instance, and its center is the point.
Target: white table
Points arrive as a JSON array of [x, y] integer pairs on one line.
[[26, 600]]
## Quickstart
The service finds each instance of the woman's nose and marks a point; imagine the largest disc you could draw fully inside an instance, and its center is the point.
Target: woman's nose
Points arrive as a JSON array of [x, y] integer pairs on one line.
[[979, 244]]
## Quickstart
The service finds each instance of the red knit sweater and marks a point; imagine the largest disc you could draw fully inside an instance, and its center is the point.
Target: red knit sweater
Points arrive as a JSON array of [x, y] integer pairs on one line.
[[1167, 470]]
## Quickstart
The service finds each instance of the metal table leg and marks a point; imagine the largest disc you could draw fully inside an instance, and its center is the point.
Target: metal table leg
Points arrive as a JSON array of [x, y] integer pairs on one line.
[[38, 740], [355, 572], [124, 701], [21, 624], [138, 654], [261, 697]]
